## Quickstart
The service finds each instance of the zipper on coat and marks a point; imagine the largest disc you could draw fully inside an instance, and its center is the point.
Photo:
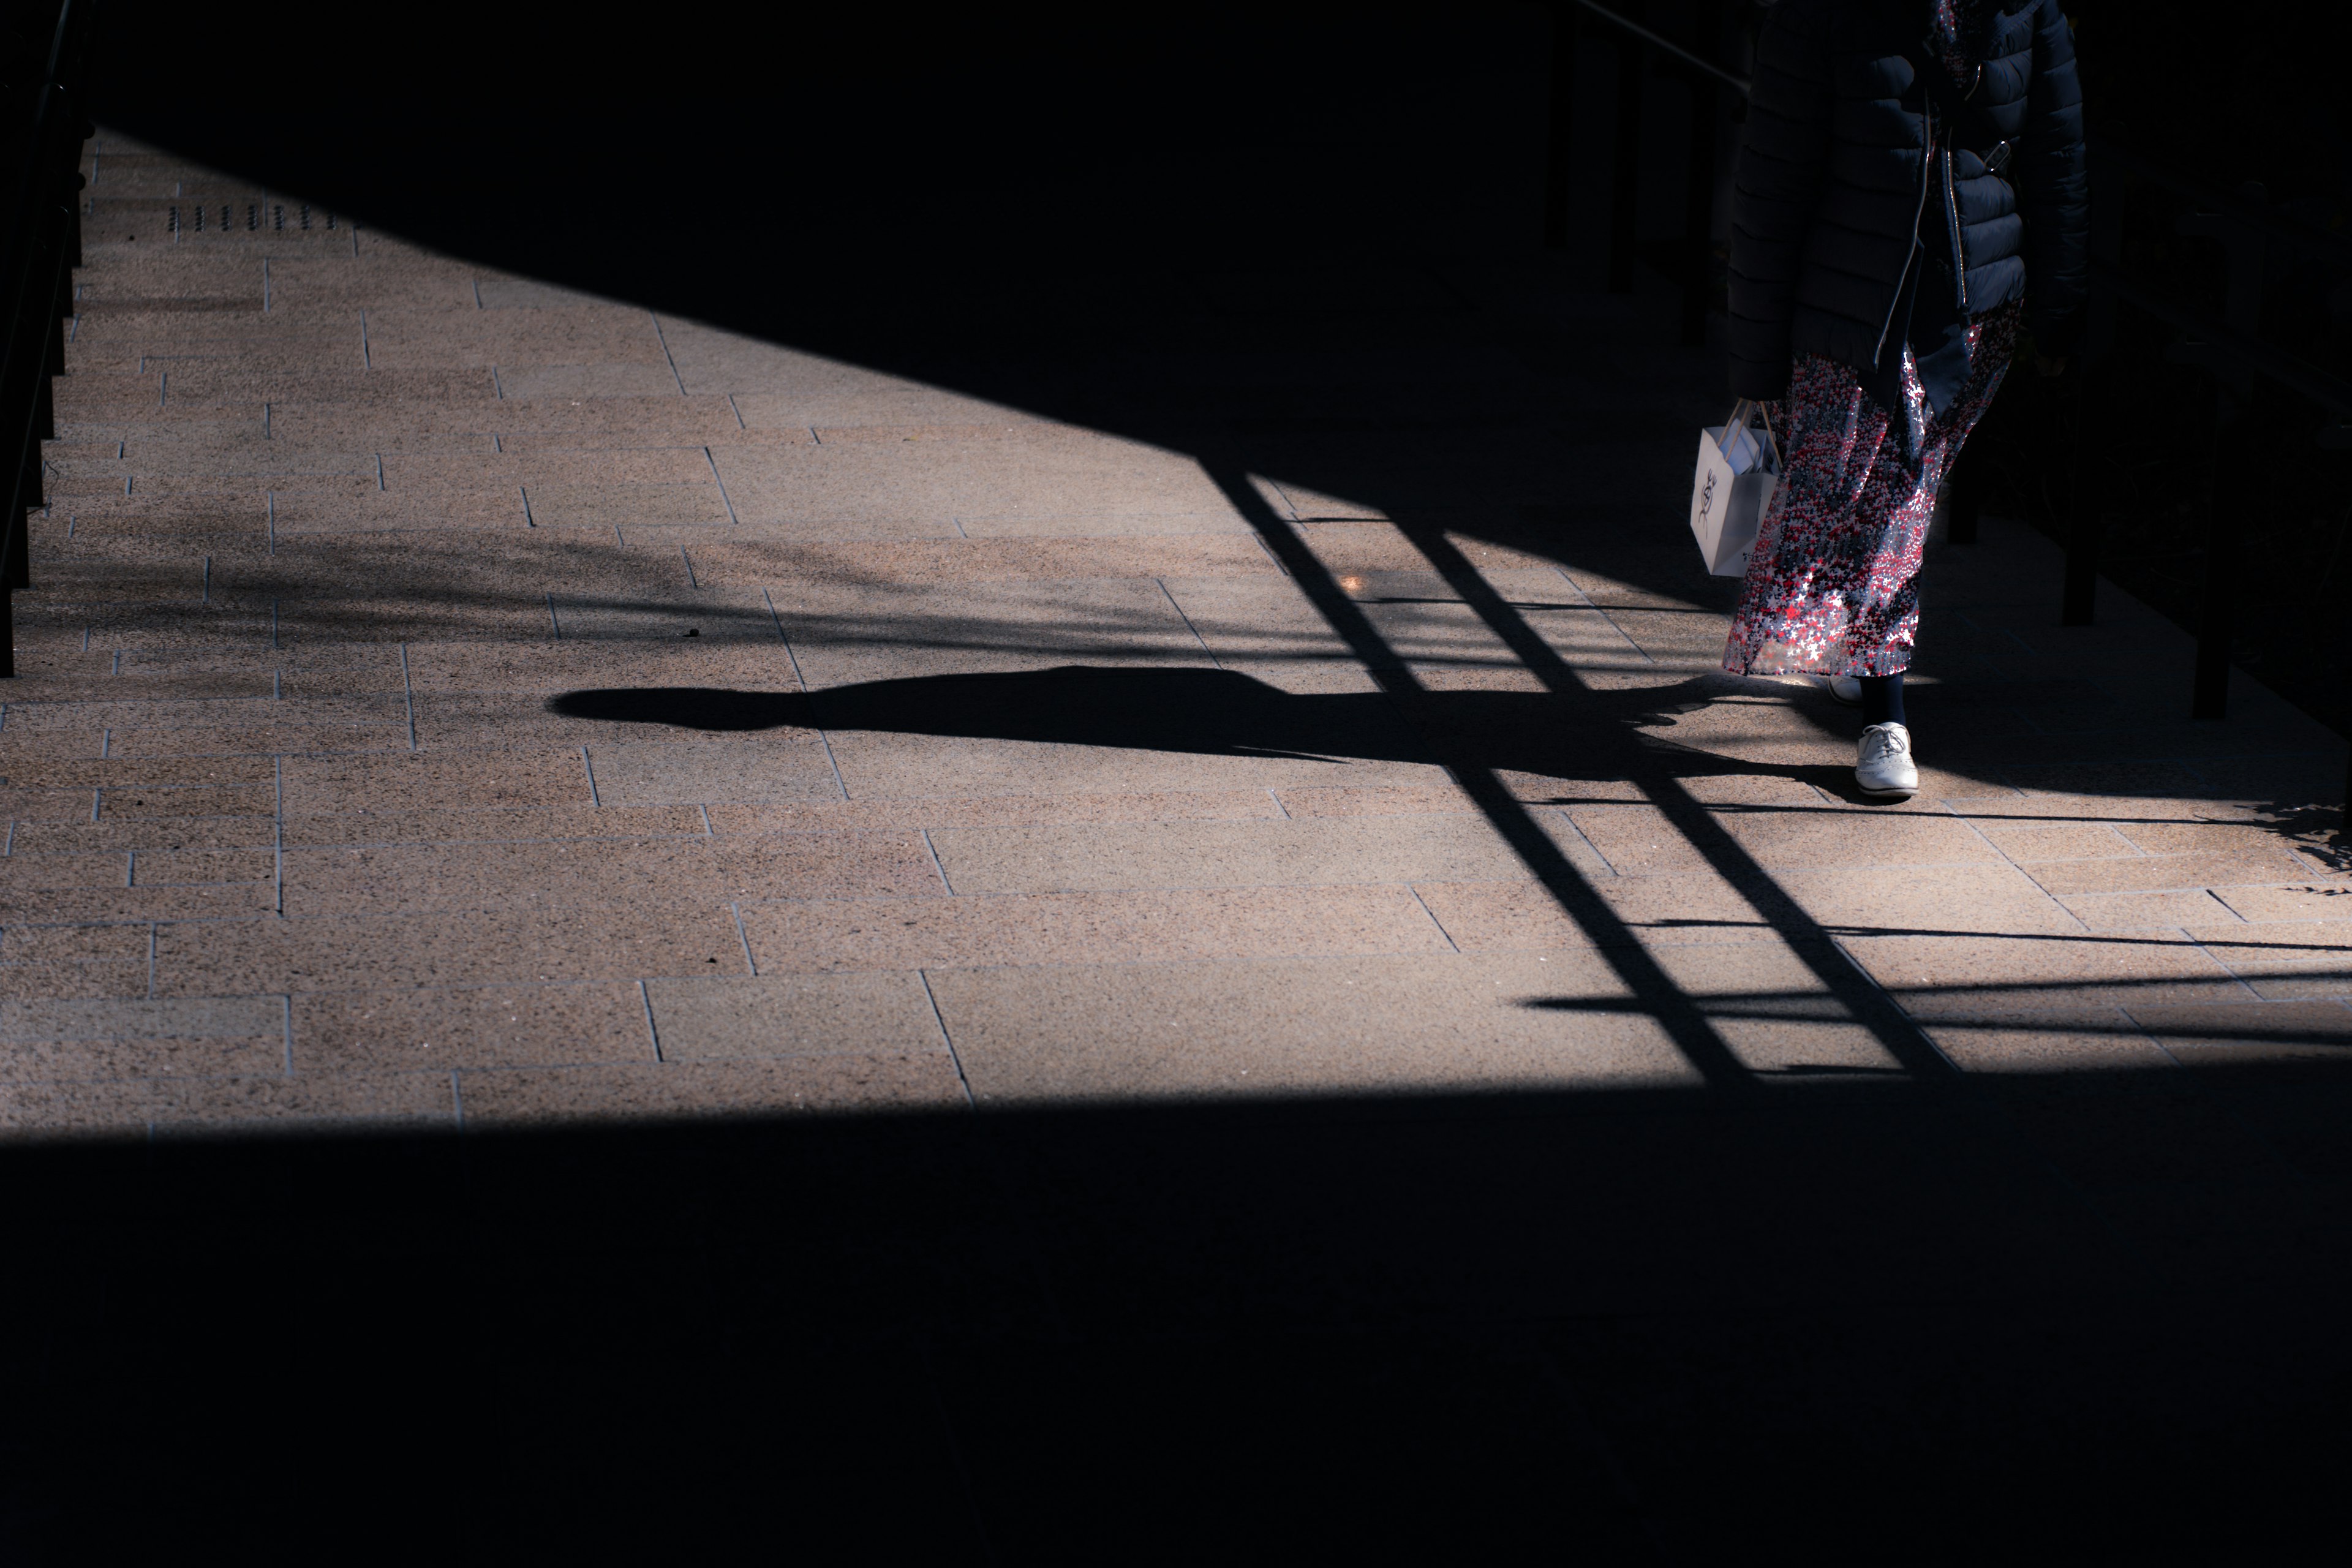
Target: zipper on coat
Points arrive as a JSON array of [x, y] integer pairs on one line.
[[1952, 226], [1926, 157]]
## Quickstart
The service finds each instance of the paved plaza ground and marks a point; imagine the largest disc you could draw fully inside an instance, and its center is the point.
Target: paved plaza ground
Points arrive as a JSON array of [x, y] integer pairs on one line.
[[447, 699], [452, 703]]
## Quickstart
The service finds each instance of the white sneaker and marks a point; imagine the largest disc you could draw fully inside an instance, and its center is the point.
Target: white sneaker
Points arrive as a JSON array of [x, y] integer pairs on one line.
[[1846, 688], [1885, 769]]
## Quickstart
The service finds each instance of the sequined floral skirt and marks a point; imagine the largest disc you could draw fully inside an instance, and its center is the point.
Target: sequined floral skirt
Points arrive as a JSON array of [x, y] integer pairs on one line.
[[1832, 581]]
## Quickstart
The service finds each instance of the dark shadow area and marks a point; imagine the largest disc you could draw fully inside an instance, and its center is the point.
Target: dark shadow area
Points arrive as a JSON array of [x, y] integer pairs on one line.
[[1311, 232], [2094, 1313]]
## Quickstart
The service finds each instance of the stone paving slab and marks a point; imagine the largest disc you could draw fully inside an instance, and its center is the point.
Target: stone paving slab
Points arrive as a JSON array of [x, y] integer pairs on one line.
[[451, 699]]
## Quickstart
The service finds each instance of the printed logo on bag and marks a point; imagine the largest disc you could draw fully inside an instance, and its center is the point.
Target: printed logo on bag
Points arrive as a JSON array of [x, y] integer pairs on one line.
[[1707, 496]]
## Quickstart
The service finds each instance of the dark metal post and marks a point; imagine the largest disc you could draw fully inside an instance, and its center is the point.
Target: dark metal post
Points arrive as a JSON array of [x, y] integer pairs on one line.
[[2217, 615], [1624, 206], [2242, 246], [2087, 522], [2106, 251], [1565, 21]]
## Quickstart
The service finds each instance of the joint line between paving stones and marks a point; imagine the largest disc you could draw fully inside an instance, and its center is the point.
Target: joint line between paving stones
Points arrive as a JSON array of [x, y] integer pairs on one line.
[[1685, 1024], [970, 1103], [717, 480], [367, 358], [1188, 623], [682, 555], [554, 626], [286, 1025], [667, 358], [2125, 1012], [1871, 1005], [1569, 822], [2241, 981], [277, 833], [527, 520], [1267, 550], [936, 865], [1602, 611], [1433, 917], [2081, 925], [456, 1100], [822, 738], [270, 498], [732, 408], [408, 694], [737, 909], [586, 762], [652, 1030]]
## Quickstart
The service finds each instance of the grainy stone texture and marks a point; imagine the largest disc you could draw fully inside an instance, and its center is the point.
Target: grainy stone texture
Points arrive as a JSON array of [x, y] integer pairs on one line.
[[450, 698]]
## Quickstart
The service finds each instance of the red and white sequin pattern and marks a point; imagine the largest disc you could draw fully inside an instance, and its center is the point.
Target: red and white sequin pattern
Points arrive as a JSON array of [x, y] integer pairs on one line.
[[1946, 19], [1831, 585]]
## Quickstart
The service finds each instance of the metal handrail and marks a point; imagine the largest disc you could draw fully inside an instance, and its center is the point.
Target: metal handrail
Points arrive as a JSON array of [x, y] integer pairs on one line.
[[2330, 392], [41, 246], [2236, 208], [1739, 83]]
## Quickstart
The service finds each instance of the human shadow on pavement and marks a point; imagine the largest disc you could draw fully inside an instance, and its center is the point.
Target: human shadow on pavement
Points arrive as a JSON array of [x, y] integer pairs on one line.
[[1600, 735]]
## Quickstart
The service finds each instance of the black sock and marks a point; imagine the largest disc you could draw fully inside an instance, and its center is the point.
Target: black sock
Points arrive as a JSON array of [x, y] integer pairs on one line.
[[1881, 699]]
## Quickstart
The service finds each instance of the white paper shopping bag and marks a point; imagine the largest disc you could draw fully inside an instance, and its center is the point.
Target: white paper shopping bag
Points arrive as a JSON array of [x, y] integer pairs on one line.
[[1734, 483]]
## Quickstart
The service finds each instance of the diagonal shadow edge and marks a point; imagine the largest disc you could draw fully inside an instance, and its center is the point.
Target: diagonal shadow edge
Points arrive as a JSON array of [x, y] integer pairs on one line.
[[1837, 969], [1693, 1033]]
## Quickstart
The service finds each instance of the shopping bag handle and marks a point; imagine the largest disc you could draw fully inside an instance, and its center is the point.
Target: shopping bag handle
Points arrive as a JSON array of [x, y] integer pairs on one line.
[[1733, 425], [1742, 411]]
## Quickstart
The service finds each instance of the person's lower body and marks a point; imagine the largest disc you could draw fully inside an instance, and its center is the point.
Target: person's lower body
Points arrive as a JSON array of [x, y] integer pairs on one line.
[[1832, 586]]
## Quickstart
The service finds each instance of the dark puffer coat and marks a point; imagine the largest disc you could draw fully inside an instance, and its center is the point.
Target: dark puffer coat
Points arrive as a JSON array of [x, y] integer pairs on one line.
[[1833, 183]]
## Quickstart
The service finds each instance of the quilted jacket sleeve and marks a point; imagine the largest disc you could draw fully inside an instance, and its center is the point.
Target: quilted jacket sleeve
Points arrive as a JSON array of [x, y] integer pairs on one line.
[[2054, 190], [1775, 182]]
